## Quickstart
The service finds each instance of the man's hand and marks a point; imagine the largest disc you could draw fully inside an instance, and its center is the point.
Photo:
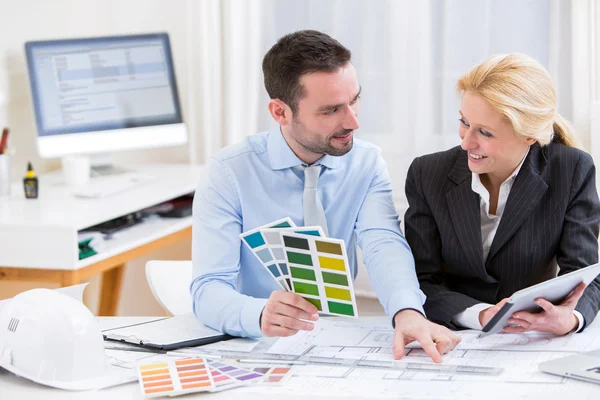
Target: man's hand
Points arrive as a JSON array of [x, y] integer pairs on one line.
[[558, 319], [435, 339], [283, 313], [486, 315]]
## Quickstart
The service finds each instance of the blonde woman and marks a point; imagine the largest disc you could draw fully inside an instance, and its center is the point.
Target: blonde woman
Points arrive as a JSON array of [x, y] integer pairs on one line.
[[498, 213]]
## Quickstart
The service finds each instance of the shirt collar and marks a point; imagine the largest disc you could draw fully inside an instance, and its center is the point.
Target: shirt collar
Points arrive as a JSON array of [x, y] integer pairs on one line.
[[281, 155], [476, 184]]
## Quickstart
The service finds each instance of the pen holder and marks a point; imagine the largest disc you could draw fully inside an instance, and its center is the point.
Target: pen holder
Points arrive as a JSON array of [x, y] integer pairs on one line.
[[5, 181]]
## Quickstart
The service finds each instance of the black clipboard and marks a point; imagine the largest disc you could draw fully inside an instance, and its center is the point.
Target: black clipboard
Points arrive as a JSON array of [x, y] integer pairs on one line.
[[166, 334]]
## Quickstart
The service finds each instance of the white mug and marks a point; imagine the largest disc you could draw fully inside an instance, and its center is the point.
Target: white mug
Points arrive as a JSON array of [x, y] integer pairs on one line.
[[76, 170]]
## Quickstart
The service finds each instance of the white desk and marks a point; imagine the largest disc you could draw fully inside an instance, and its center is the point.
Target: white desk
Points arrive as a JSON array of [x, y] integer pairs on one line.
[[42, 234], [14, 387]]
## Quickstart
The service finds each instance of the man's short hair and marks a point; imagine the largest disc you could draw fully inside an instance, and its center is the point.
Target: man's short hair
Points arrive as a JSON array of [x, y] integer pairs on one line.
[[296, 54]]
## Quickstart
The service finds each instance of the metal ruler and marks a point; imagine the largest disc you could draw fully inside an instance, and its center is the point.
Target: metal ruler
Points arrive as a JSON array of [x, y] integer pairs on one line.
[[306, 359]]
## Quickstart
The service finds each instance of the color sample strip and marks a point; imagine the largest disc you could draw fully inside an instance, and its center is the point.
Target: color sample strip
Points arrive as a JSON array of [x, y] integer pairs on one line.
[[334, 264], [257, 243], [336, 279], [194, 375], [254, 237], [227, 376], [305, 288], [299, 258], [331, 248], [175, 377], [155, 379], [275, 375], [341, 308], [336, 293], [303, 273], [272, 236], [320, 272], [223, 381], [316, 302], [296, 243]]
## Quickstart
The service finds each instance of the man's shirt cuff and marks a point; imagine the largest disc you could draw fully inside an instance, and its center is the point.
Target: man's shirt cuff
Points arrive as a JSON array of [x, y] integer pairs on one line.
[[250, 317]]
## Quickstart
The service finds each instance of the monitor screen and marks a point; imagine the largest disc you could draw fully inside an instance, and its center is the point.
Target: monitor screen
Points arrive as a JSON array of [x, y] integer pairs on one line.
[[97, 94]]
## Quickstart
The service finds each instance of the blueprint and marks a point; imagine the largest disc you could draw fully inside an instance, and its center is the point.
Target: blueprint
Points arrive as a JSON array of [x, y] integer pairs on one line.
[[374, 343], [517, 354], [131, 359], [377, 334], [370, 339], [373, 384], [505, 342], [532, 341]]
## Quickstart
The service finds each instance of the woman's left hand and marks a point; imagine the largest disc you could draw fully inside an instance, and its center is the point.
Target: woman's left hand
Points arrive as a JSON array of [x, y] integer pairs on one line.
[[557, 319]]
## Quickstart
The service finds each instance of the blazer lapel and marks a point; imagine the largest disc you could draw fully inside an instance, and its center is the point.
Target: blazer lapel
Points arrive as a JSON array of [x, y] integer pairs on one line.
[[526, 193], [463, 205]]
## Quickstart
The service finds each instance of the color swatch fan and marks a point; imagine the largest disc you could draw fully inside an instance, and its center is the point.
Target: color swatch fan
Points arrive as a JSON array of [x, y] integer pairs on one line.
[[173, 378], [320, 273], [265, 243], [259, 247], [273, 238]]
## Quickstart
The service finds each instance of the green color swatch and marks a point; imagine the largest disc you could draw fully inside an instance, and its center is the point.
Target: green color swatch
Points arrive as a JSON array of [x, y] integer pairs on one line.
[[316, 302], [302, 273], [297, 258], [336, 279], [306, 288], [340, 308]]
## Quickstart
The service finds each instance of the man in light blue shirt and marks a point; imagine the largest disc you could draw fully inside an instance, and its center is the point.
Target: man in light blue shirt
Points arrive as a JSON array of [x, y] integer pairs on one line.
[[315, 99]]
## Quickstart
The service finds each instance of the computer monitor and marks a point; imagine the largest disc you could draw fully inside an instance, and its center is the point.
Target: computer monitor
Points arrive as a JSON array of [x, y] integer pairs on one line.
[[99, 95]]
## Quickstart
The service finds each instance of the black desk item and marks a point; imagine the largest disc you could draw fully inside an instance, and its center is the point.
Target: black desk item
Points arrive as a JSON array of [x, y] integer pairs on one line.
[[167, 334], [117, 224], [178, 211]]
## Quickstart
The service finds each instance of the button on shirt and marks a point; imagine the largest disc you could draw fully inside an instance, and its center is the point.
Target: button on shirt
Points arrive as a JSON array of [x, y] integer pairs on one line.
[[489, 225], [261, 180]]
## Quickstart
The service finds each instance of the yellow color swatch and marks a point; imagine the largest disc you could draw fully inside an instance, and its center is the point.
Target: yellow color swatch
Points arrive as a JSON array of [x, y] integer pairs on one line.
[[335, 293], [153, 366], [335, 264]]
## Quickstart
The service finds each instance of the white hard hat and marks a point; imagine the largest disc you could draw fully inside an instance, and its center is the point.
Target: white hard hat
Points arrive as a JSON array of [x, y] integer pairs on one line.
[[53, 339]]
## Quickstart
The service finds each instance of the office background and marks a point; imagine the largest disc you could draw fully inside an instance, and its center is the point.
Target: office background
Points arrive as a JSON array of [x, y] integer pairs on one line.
[[408, 55]]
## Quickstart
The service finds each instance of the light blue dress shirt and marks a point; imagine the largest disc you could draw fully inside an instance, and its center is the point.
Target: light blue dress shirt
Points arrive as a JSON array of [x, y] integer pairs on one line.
[[259, 181]]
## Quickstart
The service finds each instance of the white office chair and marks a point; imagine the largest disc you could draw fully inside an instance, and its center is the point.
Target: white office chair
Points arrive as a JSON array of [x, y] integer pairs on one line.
[[170, 284]]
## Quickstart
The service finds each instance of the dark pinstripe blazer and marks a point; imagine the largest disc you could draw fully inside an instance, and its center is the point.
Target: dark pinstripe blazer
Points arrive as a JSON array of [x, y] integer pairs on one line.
[[552, 215]]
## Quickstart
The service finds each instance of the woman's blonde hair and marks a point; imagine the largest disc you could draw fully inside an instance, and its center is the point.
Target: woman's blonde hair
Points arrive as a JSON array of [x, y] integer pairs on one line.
[[521, 89]]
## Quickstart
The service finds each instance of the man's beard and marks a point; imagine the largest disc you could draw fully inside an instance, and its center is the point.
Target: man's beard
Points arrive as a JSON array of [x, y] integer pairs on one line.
[[324, 148]]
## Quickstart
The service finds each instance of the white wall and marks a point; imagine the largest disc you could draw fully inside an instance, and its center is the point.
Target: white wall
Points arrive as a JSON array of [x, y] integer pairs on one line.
[[38, 20], [589, 28], [26, 20], [42, 19]]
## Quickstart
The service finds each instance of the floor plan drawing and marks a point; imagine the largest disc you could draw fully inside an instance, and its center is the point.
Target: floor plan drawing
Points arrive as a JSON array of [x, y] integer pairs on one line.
[[516, 354]]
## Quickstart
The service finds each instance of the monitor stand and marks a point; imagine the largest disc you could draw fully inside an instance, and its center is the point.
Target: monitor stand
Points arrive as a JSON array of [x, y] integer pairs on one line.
[[104, 170], [102, 165], [108, 179]]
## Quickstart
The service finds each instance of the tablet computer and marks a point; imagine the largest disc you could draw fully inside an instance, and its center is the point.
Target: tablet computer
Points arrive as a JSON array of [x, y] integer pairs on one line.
[[554, 290], [167, 334]]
